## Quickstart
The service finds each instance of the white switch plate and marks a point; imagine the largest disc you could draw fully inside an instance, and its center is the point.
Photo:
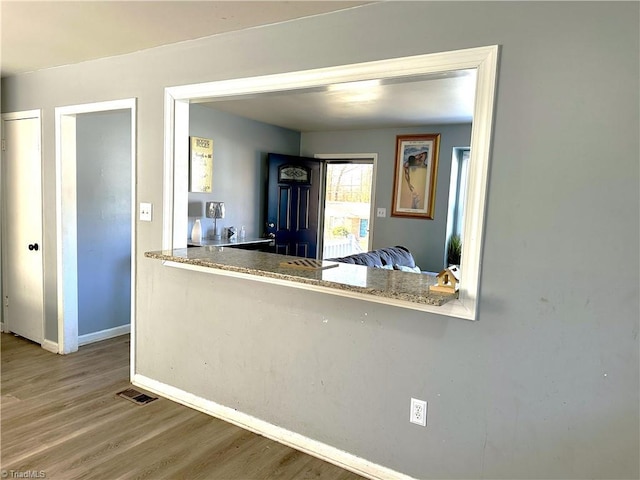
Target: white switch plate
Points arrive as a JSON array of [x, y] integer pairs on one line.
[[382, 212], [146, 211]]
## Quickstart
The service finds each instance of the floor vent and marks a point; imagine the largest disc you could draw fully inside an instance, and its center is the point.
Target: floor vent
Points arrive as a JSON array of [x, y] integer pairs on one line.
[[136, 397]]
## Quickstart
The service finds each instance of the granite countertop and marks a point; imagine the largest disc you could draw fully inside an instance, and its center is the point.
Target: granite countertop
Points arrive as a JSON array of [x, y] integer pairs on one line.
[[226, 242], [393, 284]]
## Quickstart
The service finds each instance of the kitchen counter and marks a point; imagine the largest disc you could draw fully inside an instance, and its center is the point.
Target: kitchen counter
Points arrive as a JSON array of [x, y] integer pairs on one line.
[[225, 242], [342, 278]]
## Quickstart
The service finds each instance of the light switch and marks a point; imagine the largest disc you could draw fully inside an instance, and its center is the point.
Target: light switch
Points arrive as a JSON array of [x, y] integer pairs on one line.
[[146, 210], [382, 212]]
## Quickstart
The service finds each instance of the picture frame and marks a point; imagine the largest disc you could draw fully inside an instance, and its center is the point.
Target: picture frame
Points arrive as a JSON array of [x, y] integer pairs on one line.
[[200, 164], [415, 176]]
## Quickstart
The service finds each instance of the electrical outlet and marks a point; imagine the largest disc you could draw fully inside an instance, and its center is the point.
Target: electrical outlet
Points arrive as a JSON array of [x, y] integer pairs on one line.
[[146, 210], [418, 413], [382, 212]]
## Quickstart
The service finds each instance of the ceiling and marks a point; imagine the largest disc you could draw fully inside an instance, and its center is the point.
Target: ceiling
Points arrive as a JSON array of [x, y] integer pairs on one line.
[[37, 35], [45, 34], [435, 99]]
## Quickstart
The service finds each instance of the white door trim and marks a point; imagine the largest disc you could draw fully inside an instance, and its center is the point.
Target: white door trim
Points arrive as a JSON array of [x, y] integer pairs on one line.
[[23, 115], [357, 156], [66, 219]]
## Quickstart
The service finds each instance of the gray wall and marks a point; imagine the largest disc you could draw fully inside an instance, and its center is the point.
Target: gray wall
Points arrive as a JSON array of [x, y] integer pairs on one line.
[[240, 148], [545, 384], [103, 152], [425, 238]]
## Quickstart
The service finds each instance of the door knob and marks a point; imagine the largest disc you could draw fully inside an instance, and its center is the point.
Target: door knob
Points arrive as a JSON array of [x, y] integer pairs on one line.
[[33, 246]]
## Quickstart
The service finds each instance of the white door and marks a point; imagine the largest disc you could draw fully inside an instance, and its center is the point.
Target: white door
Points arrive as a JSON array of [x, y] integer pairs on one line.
[[23, 276]]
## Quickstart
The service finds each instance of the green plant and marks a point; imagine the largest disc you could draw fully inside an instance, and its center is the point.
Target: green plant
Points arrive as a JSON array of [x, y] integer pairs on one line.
[[454, 250], [340, 231]]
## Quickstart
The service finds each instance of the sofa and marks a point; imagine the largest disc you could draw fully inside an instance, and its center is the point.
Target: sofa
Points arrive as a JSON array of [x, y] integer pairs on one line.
[[396, 258]]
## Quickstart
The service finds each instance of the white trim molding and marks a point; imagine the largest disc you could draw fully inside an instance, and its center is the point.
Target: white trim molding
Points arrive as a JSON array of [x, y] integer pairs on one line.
[[103, 335], [66, 218], [50, 346], [483, 59], [373, 158], [307, 445]]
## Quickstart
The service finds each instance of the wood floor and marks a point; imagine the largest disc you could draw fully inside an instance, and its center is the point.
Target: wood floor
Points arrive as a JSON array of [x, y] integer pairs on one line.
[[61, 419]]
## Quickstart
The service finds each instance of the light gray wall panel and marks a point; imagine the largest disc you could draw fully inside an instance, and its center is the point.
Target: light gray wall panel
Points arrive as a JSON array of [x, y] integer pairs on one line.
[[545, 385], [103, 152], [240, 148]]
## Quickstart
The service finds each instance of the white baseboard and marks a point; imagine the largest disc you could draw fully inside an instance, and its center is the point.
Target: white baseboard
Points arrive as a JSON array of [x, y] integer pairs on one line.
[[50, 346], [315, 448], [103, 334]]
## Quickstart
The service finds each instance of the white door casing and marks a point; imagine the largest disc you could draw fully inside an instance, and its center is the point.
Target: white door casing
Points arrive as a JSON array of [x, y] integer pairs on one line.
[[23, 278], [363, 157], [66, 219]]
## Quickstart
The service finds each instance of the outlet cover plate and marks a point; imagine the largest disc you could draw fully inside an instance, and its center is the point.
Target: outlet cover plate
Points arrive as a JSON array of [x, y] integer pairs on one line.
[[418, 414]]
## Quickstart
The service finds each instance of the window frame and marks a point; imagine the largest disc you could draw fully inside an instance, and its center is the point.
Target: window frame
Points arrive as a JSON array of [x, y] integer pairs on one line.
[[484, 59]]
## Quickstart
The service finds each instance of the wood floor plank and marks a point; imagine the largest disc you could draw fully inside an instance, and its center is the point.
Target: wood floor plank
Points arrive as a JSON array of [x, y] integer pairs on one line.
[[60, 415], [100, 444]]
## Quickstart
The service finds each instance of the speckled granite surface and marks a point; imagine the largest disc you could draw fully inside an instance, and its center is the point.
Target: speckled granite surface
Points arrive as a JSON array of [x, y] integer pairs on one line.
[[411, 287]]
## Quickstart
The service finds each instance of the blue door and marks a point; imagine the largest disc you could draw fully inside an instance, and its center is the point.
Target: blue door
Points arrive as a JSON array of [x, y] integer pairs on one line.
[[293, 204]]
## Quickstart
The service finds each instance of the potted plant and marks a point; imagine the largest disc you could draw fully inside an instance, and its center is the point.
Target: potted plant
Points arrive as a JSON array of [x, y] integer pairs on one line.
[[454, 250]]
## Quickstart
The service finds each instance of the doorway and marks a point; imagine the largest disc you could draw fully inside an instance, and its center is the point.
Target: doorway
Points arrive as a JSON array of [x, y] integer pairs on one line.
[[83, 214], [321, 207], [22, 249], [348, 204]]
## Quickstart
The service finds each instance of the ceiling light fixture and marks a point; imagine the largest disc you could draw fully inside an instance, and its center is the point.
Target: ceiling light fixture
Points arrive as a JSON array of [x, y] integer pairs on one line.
[[351, 86], [356, 92]]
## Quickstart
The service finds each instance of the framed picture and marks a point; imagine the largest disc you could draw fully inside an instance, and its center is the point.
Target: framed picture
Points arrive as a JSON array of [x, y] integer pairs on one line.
[[200, 164], [416, 171]]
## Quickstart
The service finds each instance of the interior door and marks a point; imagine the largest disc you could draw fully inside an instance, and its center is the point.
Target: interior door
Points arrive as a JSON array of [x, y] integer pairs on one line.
[[23, 287], [293, 204]]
